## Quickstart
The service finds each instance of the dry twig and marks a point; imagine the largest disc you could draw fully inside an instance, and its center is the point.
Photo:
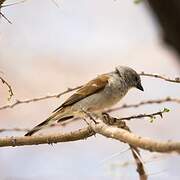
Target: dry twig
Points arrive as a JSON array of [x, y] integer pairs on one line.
[[112, 119], [151, 115], [9, 88], [153, 101], [14, 129], [124, 106], [176, 80], [17, 102], [6, 5], [140, 166], [168, 99]]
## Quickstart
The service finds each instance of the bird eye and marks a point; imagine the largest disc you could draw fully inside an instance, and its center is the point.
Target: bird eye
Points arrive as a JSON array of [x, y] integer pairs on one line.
[[136, 78]]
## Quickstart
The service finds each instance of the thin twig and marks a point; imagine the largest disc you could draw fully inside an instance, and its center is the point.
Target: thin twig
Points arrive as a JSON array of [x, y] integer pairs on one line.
[[1, 14], [124, 106], [17, 102], [22, 129], [7, 5], [112, 119], [12, 4], [26, 129], [14, 129], [155, 101], [151, 115], [9, 88], [168, 99], [176, 80]]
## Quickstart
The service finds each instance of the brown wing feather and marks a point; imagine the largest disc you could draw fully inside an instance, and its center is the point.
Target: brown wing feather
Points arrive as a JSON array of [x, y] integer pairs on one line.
[[88, 89]]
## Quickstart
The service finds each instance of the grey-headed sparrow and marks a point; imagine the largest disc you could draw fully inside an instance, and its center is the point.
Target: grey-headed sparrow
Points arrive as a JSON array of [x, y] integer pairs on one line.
[[95, 96]]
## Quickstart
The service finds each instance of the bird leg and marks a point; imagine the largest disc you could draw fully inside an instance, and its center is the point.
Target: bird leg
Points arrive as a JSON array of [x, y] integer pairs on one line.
[[107, 119]]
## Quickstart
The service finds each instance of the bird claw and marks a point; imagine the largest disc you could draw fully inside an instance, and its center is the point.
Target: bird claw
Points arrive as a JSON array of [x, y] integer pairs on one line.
[[107, 119]]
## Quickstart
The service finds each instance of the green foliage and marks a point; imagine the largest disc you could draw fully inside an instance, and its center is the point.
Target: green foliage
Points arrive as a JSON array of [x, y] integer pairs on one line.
[[166, 110]]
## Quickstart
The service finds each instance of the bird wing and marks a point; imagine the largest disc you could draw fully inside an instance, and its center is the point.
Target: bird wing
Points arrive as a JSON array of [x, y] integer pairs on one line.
[[88, 89]]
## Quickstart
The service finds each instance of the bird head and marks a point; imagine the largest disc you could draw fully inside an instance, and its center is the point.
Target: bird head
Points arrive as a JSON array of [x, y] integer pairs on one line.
[[130, 76]]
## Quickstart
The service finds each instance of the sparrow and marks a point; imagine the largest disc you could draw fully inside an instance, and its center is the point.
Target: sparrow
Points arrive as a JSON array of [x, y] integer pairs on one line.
[[95, 96]]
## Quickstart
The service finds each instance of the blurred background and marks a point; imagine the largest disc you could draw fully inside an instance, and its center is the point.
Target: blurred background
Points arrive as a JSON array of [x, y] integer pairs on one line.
[[48, 49]]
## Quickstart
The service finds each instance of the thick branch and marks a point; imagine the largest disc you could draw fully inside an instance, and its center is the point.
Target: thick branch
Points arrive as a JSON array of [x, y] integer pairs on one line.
[[137, 141], [47, 139], [101, 128]]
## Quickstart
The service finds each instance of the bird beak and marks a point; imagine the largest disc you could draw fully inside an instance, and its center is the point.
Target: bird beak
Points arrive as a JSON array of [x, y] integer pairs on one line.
[[139, 86]]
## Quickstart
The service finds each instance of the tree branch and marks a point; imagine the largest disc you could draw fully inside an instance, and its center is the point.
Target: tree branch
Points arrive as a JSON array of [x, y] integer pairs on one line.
[[2, 6], [47, 139], [14, 129], [154, 101], [100, 128], [9, 88], [38, 98], [23, 129], [1, 14], [137, 141], [140, 166], [135, 152], [151, 115], [176, 80]]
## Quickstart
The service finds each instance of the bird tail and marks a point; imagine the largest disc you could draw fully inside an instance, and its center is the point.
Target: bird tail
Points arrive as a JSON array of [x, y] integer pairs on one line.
[[58, 116]]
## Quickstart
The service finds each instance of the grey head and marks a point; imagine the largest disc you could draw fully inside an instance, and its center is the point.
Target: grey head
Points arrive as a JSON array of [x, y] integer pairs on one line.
[[130, 76]]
